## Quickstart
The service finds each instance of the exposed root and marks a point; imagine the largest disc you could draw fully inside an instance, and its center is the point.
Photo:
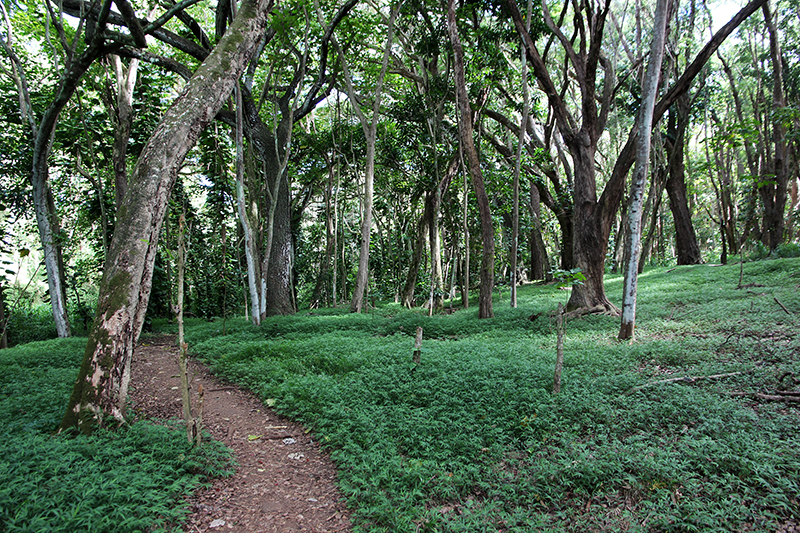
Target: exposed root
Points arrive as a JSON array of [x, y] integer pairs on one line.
[[599, 309]]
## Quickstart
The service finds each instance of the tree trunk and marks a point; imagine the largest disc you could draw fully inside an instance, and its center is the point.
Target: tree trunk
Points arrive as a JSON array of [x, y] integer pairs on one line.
[[250, 247], [323, 284], [540, 264], [370, 133], [686, 247], [467, 248], [280, 286], [645, 118], [593, 220], [474, 167], [3, 329], [774, 192], [653, 210], [416, 256], [123, 118], [437, 280], [102, 384]]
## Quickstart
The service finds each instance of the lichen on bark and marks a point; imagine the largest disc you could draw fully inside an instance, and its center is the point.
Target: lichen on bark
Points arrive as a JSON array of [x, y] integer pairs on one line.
[[101, 386]]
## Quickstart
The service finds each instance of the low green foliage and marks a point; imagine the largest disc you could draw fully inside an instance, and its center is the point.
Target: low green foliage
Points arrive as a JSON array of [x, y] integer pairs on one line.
[[131, 479], [471, 439]]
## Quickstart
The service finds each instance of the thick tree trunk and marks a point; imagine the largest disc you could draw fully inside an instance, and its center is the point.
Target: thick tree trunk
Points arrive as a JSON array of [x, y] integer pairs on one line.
[[686, 247], [774, 192], [589, 244], [280, 286], [474, 167], [102, 384]]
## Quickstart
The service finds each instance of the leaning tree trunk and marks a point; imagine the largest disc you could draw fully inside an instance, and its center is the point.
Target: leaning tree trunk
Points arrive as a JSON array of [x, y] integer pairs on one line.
[[101, 388], [645, 119]]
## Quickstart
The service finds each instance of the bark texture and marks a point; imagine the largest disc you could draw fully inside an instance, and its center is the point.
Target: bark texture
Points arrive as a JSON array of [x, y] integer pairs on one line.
[[101, 388], [465, 131], [686, 246], [645, 119]]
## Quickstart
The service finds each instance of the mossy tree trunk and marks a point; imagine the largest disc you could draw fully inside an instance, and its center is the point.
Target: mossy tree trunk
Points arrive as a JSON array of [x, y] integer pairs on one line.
[[102, 385]]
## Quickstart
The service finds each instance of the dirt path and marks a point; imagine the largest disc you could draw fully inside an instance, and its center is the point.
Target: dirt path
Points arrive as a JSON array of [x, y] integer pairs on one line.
[[283, 481]]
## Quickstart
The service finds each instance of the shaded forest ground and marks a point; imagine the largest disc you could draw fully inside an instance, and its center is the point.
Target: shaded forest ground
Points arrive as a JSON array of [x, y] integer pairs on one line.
[[471, 438]]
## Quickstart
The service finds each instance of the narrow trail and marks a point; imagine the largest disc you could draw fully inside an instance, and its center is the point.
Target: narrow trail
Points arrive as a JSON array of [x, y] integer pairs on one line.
[[283, 481]]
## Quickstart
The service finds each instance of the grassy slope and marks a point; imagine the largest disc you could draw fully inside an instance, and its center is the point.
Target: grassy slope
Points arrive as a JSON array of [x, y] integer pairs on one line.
[[115, 481], [473, 440]]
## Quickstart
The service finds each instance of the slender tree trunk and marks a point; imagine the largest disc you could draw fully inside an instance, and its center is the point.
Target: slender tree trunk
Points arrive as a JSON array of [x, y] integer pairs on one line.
[[474, 167], [250, 248], [416, 256], [517, 168], [102, 384], [186, 402], [653, 210], [466, 261], [370, 133], [3, 330], [323, 284], [540, 264], [649, 93], [437, 280]]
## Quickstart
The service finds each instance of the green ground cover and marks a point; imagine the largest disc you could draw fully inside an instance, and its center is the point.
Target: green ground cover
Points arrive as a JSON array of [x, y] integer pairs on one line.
[[472, 439], [127, 480]]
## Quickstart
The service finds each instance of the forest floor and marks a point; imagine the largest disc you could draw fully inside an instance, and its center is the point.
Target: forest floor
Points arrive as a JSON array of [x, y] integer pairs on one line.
[[283, 482]]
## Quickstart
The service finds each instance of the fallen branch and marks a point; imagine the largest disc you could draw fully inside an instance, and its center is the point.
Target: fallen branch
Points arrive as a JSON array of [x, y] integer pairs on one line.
[[792, 398], [687, 379], [782, 306]]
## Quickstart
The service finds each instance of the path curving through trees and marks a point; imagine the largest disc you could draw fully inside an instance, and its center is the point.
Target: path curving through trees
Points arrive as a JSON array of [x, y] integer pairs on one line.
[[283, 482]]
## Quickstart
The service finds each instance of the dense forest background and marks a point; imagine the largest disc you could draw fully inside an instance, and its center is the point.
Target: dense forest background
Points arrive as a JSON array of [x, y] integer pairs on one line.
[[336, 174], [389, 167]]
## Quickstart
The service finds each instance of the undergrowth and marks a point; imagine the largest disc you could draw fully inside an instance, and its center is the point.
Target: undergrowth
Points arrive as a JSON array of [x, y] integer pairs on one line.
[[472, 439], [130, 479]]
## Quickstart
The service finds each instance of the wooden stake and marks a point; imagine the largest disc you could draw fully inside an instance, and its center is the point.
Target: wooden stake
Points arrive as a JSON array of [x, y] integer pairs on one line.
[[559, 348], [417, 356], [198, 422]]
